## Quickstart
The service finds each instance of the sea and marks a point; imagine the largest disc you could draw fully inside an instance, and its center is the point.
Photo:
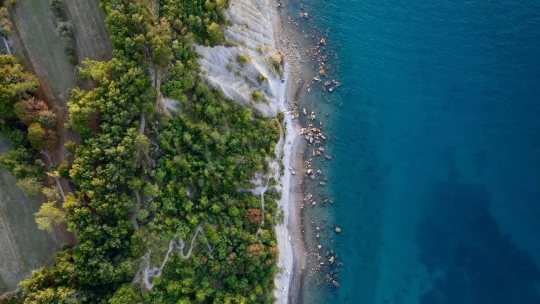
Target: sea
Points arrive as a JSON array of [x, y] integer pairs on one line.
[[435, 137]]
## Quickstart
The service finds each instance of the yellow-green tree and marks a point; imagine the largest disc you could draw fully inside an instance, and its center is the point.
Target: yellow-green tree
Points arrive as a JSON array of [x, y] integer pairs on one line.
[[159, 37], [215, 35], [49, 215], [30, 186]]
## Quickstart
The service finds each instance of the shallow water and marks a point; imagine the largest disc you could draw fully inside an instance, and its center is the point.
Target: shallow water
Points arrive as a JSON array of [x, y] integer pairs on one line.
[[437, 166]]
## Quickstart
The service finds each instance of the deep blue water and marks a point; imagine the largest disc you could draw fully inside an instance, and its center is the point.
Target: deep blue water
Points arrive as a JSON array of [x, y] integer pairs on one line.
[[437, 167]]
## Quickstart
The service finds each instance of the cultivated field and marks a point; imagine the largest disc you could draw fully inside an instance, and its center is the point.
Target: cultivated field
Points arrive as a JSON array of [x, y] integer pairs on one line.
[[23, 247], [43, 48], [92, 38]]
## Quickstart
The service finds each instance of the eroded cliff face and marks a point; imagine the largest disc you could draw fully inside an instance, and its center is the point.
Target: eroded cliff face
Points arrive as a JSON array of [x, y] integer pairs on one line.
[[251, 39]]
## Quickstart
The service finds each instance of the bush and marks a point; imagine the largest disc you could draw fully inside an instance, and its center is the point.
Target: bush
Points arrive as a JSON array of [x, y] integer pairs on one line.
[[65, 30], [5, 24], [242, 59], [30, 186], [261, 79], [281, 117], [57, 9], [72, 60], [256, 95]]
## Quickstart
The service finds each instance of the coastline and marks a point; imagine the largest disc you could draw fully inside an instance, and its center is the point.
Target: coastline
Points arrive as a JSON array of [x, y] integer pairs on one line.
[[292, 249]]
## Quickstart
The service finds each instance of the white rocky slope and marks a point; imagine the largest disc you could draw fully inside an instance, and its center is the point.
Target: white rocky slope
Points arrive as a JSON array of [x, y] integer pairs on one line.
[[252, 32]]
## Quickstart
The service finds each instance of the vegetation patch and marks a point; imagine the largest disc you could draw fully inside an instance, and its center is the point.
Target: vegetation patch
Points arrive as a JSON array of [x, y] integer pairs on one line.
[[137, 188]]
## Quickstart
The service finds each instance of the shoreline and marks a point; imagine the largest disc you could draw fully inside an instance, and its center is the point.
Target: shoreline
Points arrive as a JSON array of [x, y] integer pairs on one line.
[[311, 223], [289, 234]]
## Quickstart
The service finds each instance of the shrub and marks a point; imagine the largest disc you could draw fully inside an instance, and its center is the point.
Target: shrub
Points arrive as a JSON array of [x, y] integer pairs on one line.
[[5, 24], [242, 59], [71, 146], [65, 29], [261, 79]]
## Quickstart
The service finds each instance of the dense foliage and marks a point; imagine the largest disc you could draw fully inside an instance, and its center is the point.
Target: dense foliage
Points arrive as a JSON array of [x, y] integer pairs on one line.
[[22, 125], [192, 169]]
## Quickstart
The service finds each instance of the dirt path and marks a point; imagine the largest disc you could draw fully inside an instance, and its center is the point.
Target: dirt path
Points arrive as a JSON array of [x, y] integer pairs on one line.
[[155, 272]]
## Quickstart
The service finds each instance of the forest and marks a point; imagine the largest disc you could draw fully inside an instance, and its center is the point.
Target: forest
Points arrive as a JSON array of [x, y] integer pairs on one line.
[[141, 176]]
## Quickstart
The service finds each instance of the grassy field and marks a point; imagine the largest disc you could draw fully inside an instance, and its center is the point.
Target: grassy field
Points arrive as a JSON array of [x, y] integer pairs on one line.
[[23, 247]]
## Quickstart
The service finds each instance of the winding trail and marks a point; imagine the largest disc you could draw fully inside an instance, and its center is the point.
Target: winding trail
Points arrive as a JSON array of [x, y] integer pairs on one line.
[[155, 272]]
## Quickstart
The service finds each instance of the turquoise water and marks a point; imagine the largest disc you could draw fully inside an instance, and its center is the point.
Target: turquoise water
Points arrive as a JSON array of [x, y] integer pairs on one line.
[[437, 166]]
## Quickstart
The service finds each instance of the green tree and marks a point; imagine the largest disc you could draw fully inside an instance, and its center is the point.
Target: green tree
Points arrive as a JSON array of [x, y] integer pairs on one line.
[[14, 84], [215, 35], [125, 294], [37, 136], [160, 41], [47, 119]]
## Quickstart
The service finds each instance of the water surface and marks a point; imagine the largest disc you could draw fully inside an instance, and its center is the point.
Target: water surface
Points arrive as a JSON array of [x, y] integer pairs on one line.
[[437, 166]]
